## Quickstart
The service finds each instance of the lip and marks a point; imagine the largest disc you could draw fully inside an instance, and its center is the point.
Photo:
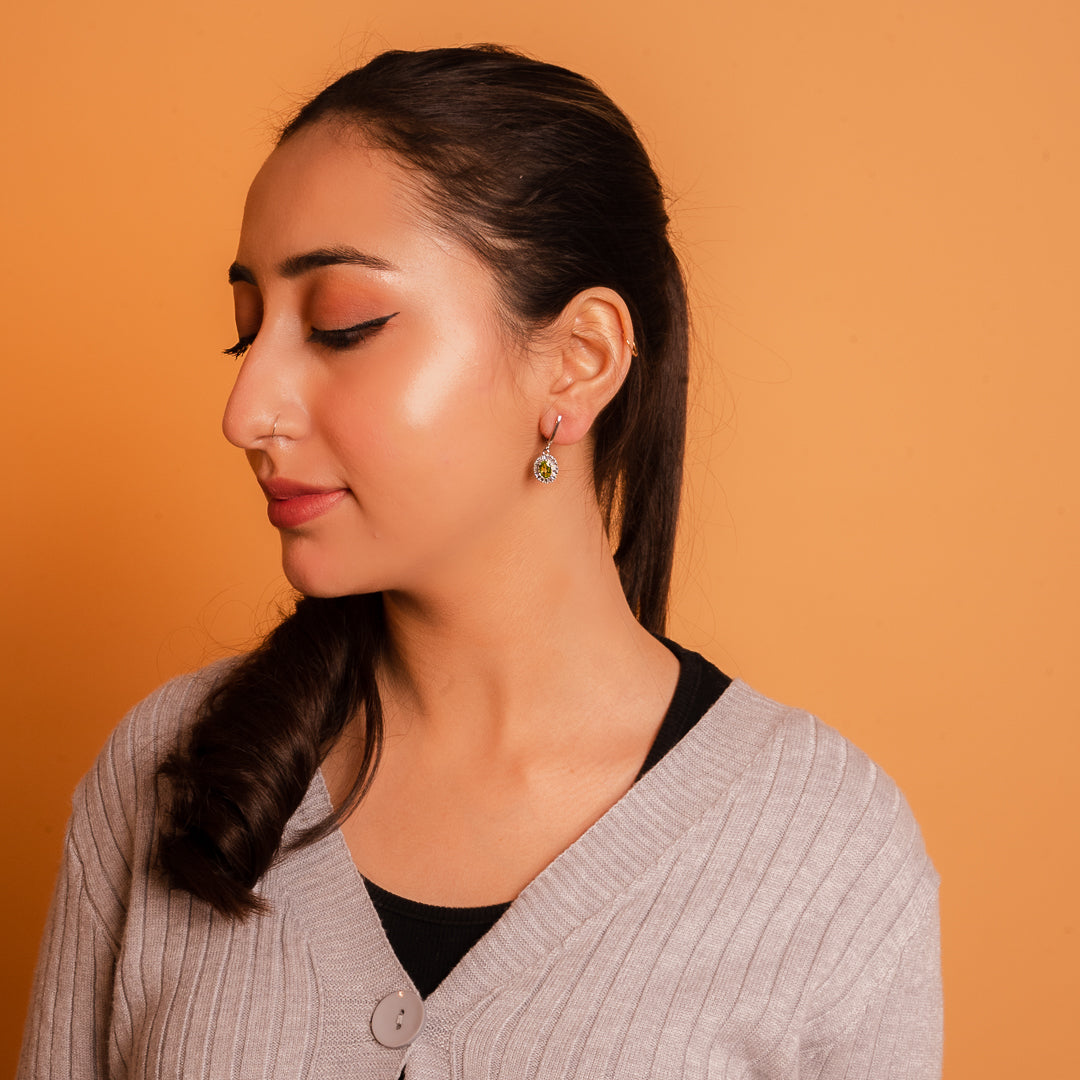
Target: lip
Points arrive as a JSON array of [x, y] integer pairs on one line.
[[291, 503]]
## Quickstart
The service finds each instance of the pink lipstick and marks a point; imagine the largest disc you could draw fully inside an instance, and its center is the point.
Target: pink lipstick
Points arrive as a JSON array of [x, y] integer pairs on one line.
[[292, 504]]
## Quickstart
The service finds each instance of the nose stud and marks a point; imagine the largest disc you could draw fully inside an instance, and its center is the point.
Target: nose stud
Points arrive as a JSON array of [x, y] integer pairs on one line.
[[545, 467]]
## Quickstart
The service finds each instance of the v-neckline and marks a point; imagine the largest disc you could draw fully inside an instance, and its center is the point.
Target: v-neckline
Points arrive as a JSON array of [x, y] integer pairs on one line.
[[635, 834]]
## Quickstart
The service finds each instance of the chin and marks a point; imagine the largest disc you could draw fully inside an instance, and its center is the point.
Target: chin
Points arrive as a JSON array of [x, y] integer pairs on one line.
[[320, 578], [323, 586]]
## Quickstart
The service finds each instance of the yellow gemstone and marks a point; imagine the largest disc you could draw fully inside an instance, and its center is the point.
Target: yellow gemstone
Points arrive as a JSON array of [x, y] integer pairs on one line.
[[544, 469]]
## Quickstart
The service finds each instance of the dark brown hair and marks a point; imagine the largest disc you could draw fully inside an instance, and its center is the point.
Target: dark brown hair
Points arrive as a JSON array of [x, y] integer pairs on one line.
[[544, 178]]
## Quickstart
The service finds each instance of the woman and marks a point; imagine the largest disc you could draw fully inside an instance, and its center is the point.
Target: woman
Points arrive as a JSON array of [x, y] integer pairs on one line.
[[582, 850]]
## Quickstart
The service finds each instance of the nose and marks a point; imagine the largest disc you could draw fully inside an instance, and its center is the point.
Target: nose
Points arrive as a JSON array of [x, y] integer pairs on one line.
[[266, 401]]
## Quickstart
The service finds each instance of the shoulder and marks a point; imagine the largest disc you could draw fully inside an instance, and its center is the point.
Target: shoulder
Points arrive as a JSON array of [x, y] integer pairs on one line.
[[147, 733], [115, 806], [814, 784], [837, 836]]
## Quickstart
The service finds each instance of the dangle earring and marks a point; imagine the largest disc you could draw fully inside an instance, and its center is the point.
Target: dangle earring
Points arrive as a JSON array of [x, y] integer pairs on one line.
[[545, 467]]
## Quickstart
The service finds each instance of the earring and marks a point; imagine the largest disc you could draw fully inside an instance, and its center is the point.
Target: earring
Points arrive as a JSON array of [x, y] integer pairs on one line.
[[545, 467], [632, 345]]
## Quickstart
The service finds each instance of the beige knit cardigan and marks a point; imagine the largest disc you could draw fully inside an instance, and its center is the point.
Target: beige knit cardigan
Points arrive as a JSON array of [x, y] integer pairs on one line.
[[759, 905]]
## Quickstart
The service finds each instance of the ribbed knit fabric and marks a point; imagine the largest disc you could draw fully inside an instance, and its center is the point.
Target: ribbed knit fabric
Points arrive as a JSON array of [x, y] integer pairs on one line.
[[758, 905]]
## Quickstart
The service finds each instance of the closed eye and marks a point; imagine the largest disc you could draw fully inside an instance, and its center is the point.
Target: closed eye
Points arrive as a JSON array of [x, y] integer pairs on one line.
[[349, 336], [345, 338]]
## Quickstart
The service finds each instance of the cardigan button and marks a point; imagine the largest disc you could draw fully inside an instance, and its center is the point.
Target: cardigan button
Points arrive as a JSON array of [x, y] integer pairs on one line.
[[398, 1018]]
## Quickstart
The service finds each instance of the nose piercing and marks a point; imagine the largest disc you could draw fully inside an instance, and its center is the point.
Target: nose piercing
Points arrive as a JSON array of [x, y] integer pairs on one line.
[[545, 467], [273, 430]]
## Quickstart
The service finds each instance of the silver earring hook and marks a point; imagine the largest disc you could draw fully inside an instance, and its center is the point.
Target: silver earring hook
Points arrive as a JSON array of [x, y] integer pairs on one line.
[[554, 432]]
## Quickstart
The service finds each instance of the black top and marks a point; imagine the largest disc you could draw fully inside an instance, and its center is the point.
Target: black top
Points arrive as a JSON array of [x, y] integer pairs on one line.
[[430, 940]]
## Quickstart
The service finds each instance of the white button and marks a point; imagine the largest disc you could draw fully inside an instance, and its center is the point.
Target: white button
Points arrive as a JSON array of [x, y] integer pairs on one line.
[[398, 1018]]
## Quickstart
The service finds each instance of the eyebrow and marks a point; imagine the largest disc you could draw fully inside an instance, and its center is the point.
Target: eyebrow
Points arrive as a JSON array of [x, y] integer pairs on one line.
[[296, 265]]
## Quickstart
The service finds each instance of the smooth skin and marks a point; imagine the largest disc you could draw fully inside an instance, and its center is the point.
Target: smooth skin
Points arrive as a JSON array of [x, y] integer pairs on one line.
[[520, 693]]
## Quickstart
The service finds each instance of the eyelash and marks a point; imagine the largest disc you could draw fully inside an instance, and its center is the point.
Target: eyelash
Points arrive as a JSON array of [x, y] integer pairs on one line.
[[336, 340], [240, 347]]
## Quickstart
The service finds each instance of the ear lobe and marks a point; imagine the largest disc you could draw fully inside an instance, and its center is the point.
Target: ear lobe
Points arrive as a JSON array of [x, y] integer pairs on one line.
[[594, 336]]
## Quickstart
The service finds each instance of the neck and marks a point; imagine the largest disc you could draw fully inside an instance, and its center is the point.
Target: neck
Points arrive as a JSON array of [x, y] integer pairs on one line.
[[522, 647]]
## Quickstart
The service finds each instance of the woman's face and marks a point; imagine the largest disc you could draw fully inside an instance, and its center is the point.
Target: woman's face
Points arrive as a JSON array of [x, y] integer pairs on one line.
[[384, 414]]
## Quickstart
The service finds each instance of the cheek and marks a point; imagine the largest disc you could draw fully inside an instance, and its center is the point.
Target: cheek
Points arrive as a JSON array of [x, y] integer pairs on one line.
[[447, 390], [413, 411], [392, 426], [433, 391]]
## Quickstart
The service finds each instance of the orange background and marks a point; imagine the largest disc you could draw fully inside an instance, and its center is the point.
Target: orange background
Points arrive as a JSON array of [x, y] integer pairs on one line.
[[878, 210]]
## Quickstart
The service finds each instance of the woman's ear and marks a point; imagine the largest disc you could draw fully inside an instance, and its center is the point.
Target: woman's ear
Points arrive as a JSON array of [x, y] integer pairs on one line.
[[590, 346]]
